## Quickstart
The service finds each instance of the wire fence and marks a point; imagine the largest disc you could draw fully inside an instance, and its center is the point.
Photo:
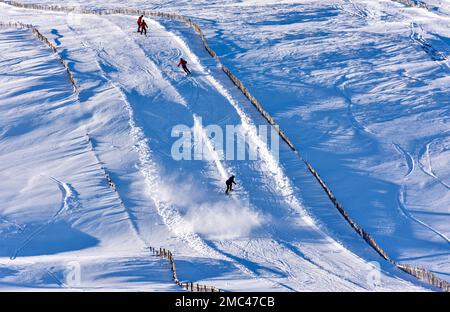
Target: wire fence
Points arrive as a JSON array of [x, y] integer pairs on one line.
[[420, 273], [425, 275], [47, 42], [190, 286]]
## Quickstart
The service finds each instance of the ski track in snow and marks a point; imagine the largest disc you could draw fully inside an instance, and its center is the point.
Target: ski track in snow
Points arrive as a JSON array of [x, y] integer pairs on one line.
[[406, 213], [69, 202], [284, 255], [222, 171], [408, 158], [402, 193], [427, 168], [355, 123]]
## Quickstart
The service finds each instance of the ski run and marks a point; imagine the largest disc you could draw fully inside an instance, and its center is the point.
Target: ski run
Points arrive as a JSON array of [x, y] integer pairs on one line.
[[88, 181]]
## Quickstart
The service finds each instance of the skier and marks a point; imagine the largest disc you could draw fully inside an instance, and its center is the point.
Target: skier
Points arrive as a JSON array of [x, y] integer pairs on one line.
[[230, 183], [139, 22], [144, 27], [183, 64]]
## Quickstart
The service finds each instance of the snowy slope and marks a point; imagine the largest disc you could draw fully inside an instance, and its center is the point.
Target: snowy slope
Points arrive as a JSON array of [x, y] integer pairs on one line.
[[278, 232], [48, 217], [360, 87]]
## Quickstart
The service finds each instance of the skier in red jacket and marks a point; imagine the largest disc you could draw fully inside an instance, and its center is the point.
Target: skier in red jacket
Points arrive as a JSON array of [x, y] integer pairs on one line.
[[183, 64], [144, 27], [139, 22]]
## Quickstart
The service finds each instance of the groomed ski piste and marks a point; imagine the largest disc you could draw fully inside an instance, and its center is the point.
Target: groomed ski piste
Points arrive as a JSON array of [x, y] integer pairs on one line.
[[278, 231]]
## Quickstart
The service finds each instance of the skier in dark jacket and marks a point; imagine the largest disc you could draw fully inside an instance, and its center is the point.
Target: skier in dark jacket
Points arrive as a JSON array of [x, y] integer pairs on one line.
[[144, 27], [230, 183], [183, 64], [139, 22]]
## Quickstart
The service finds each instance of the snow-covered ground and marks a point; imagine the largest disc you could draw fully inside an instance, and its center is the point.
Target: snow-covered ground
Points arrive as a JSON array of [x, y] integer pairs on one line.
[[359, 87]]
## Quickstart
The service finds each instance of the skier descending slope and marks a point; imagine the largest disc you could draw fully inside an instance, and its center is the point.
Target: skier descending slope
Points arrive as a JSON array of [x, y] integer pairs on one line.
[[230, 183], [183, 64], [144, 27], [139, 22]]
